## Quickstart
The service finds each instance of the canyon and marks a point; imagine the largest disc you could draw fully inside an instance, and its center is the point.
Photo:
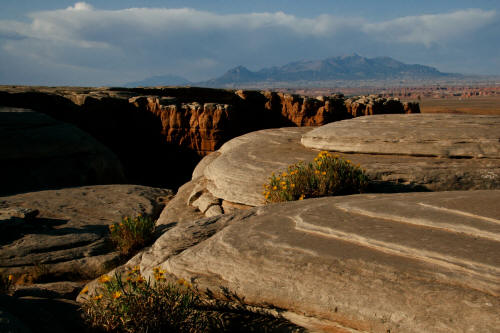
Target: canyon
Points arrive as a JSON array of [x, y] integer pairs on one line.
[[159, 134]]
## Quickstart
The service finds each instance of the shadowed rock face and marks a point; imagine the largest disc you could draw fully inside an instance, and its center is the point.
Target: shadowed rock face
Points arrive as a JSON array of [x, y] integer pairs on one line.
[[38, 152], [159, 134]]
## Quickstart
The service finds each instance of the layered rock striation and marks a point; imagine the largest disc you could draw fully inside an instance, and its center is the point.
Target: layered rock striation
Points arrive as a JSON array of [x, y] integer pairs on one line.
[[63, 234]]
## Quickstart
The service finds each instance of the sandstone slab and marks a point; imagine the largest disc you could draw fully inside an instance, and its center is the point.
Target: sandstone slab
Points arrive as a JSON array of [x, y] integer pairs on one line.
[[413, 262], [439, 135], [244, 164], [38, 152], [69, 237]]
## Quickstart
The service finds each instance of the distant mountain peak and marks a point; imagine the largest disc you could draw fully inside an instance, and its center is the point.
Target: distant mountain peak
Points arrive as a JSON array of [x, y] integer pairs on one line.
[[239, 69], [347, 67]]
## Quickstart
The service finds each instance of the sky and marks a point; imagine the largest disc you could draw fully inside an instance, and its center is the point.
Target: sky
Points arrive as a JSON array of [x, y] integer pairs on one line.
[[111, 42]]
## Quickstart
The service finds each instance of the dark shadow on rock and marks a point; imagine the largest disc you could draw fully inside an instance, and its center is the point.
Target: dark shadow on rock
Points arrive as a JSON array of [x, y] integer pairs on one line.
[[43, 315], [15, 228], [161, 229], [392, 187], [233, 316]]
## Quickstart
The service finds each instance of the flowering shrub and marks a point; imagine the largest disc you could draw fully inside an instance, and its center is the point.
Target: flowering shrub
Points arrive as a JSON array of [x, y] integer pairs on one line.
[[132, 304], [327, 175], [132, 234]]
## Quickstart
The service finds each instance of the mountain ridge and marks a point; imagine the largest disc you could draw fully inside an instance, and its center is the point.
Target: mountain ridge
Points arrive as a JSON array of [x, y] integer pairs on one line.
[[350, 67]]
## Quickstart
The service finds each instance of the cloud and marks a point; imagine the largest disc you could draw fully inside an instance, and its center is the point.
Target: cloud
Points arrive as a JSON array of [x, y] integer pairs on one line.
[[80, 6], [129, 44], [428, 29]]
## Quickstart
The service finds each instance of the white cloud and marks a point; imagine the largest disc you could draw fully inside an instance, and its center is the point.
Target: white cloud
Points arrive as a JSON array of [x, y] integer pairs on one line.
[[428, 29], [80, 6], [138, 42]]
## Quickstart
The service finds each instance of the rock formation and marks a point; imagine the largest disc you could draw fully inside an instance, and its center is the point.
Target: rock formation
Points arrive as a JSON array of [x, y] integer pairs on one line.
[[377, 262], [436, 135], [63, 234], [38, 152], [360, 263], [158, 132], [375, 104], [398, 152]]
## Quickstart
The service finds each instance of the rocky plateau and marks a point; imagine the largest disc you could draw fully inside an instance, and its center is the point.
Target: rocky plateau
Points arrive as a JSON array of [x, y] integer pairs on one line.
[[418, 253]]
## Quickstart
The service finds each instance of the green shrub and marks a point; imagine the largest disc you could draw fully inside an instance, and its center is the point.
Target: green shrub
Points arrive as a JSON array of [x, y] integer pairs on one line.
[[132, 234], [327, 175], [132, 304]]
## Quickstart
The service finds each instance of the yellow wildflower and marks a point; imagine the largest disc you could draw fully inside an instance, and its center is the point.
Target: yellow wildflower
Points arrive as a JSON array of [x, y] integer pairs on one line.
[[140, 279], [98, 297], [117, 294], [10, 277], [319, 163], [159, 277], [136, 269], [302, 197], [181, 282], [284, 174], [292, 185], [323, 173], [283, 187], [275, 188], [84, 290], [104, 279], [316, 172]]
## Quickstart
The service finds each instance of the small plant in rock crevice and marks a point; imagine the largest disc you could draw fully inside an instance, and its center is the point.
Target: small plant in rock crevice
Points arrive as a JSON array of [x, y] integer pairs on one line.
[[6, 282], [131, 234], [327, 175]]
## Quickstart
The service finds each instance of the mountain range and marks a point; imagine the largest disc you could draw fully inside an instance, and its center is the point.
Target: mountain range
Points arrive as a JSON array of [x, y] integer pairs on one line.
[[351, 67]]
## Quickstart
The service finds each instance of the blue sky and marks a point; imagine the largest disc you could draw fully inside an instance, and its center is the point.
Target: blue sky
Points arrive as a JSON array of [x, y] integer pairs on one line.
[[109, 42]]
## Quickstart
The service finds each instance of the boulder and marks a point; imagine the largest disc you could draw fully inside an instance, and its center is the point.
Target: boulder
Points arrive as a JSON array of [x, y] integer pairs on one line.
[[440, 161], [245, 163], [437, 135], [68, 240], [412, 262], [38, 152]]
